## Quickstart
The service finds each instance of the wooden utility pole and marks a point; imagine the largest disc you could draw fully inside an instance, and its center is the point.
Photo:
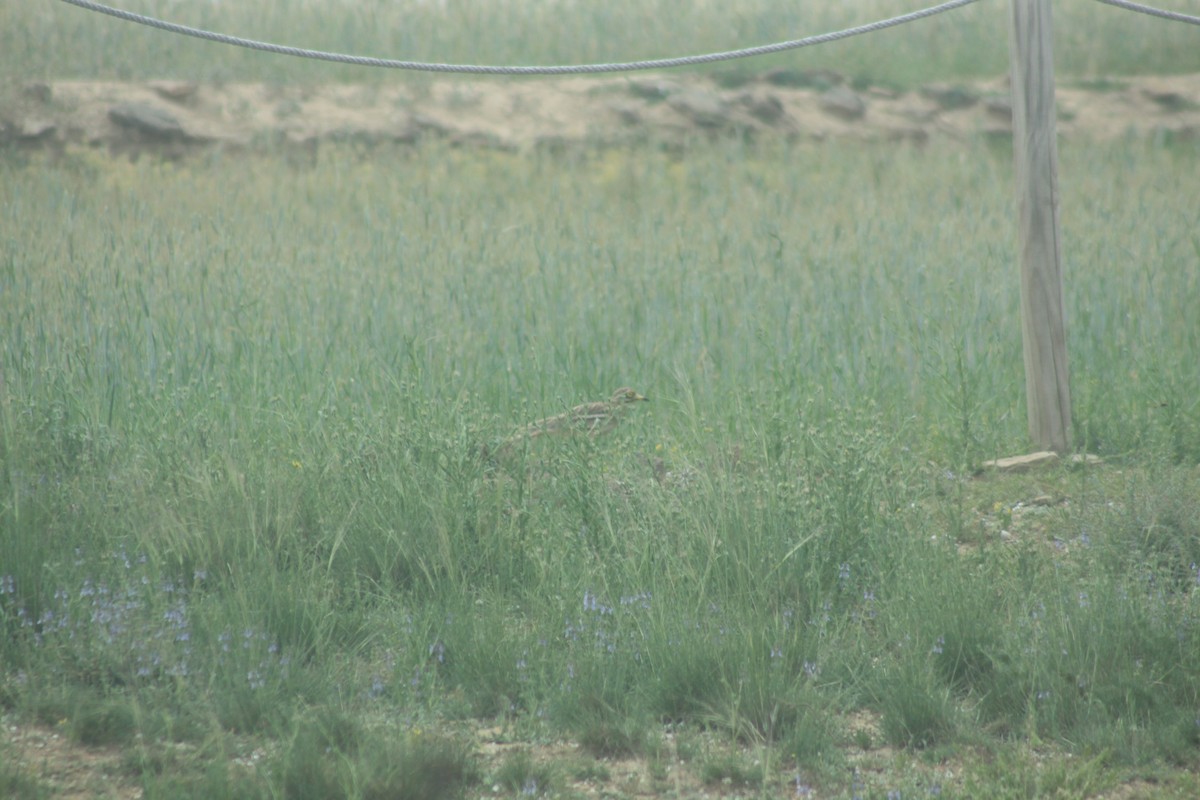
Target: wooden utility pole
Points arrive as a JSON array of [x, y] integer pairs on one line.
[[1035, 156]]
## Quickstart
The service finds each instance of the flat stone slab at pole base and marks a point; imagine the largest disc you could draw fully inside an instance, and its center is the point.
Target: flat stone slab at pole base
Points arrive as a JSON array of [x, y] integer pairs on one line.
[[1040, 459]]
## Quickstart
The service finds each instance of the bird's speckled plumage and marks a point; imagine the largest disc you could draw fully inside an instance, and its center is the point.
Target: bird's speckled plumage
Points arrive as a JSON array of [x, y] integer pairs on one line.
[[590, 418]]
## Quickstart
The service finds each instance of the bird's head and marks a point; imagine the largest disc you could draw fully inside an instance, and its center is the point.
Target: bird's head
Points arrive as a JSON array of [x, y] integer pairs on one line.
[[626, 395]]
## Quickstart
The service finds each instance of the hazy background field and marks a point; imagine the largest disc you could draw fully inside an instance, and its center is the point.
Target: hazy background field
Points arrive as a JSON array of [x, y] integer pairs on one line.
[[45, 39], [249, 408]]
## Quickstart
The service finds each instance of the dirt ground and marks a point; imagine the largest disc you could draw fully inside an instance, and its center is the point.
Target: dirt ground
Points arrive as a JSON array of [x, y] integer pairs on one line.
[[174, 118]]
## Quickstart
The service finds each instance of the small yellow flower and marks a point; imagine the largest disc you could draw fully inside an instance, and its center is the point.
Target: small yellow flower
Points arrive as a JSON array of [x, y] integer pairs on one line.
[[297, 464]]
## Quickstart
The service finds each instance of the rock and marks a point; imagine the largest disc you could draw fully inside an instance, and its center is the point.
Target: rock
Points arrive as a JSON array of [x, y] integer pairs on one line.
[[882, 92], [33, 129], [843, 103], [766, 108], [999, 106], [950, 97], [804, 78], [1022, 463], [151, 121], [706, 109], [654, 89], [176, 91], [732, 78], [1168, 101], [629, 112]]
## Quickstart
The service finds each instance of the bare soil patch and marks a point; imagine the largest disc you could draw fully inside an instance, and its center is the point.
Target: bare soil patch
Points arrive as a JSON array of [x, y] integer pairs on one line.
[[174, 118], [63, 768]]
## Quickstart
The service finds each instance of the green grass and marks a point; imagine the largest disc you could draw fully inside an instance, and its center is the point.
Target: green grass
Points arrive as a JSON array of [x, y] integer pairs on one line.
[[246, 498], [52, 40]]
